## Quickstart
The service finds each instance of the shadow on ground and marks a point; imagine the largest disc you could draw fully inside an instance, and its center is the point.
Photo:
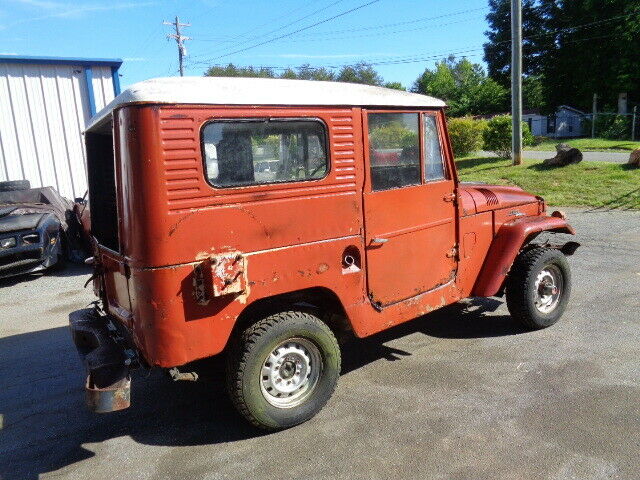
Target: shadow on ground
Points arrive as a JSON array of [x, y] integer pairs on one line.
[[46, 426], [67, 269]]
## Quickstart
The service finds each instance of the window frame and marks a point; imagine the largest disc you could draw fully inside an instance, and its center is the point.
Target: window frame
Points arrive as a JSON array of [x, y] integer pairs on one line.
[[443, 158], [325, 143], [365, 132], [444, 152]]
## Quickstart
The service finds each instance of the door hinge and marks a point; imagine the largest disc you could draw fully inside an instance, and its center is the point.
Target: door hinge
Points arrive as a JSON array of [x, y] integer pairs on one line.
[[453, 253], [449, 197]]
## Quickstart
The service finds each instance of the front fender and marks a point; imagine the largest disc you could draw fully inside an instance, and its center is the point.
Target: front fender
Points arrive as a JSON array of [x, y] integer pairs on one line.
[[506, 245]]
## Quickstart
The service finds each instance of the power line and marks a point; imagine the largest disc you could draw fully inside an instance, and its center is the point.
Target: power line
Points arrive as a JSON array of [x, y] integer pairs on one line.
[[416, 58], [290, 23], [299, 30], [570, 28], [402, 60], [275, 19], [371, 27], [365, 35]]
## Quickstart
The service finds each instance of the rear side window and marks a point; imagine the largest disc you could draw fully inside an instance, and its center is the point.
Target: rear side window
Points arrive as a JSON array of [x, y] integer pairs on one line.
[[255, 152], [394, 150]]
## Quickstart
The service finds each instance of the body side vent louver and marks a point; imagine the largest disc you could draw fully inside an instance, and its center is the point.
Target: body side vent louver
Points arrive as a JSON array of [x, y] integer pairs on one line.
[[491, 197]]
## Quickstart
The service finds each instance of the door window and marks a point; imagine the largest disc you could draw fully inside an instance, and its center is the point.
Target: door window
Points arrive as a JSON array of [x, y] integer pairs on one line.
[[434, 167], [241, 153], [394, 150]]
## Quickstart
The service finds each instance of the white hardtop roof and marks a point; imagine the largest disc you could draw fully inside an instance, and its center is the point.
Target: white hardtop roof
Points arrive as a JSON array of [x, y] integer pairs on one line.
[[261, 91]]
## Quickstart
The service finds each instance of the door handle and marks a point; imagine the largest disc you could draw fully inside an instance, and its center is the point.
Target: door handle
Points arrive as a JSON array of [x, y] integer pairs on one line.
[[449, 197], [379, 241]]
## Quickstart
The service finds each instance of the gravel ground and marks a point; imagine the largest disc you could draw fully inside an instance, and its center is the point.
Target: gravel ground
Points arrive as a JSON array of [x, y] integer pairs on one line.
[[462, 393]]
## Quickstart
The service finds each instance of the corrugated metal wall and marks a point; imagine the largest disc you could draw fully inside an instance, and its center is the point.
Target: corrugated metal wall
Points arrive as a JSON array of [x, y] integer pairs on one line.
[[43, 111]]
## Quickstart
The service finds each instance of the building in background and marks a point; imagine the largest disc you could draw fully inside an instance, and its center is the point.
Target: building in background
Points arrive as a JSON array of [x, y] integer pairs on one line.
[[567, 122], [45, 103]]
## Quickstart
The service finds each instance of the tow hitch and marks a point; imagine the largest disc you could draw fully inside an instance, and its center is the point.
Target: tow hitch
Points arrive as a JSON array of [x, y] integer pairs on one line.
[[108, 358]]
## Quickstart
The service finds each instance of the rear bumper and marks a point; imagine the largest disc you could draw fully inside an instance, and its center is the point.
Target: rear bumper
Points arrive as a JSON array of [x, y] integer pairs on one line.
[[108, 358]]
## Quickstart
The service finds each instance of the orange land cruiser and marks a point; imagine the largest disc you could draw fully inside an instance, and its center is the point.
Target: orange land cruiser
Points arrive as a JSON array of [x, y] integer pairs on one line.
[[259, 219]]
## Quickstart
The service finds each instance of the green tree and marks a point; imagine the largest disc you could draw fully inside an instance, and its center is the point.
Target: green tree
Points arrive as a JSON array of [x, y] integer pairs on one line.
[[497, 51], [359, 73], [232, 71], [464, 86], [395, 85], [572, 49], [533, 95]]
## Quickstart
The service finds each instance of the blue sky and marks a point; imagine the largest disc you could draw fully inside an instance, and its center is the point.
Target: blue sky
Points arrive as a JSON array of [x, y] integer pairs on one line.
[[404, 33]]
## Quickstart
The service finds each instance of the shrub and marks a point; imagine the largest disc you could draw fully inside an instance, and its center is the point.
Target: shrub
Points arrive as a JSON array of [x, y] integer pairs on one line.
[[466, 135], [610, 126], [393, 135], [497, 136]]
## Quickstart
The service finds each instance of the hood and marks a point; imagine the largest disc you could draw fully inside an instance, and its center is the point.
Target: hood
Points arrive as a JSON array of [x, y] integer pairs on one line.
[[480, 197], [14, 223]]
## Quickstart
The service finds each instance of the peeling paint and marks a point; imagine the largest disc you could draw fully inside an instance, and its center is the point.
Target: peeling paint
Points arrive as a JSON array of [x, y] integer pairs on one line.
[[323, 267]]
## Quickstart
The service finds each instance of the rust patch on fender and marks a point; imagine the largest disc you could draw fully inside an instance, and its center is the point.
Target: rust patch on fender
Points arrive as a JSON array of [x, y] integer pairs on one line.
[[323, 267]]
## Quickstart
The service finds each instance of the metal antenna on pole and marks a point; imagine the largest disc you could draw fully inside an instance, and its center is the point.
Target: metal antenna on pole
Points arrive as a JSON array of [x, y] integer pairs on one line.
[[182, 51], [516, 80]]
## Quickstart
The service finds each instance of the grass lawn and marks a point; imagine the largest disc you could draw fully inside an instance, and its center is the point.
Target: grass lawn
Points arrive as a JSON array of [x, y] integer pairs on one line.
[[593, 184], [588, 145]]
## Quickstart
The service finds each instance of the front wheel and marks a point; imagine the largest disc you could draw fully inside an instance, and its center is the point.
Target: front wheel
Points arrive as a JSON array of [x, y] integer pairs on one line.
[[283, 369], [538, 287]]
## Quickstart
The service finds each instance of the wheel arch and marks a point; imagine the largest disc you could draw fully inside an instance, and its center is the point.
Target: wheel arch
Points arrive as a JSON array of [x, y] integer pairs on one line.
[[320, 300], [511, 239]]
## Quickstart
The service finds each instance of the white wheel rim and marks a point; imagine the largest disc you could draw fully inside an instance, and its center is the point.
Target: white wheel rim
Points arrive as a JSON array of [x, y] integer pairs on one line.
[[548, 289], [290, 372]]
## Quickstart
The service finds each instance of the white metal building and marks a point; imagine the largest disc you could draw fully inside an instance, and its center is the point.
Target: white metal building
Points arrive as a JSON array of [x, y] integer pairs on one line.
[[45, 103], [567, 122]]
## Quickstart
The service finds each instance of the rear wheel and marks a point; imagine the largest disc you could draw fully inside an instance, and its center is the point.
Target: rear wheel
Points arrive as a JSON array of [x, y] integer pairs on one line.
[[283, 369], [538, 287]]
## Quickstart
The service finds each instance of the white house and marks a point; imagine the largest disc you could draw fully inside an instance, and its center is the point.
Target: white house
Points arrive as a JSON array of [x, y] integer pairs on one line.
[[45, 103]]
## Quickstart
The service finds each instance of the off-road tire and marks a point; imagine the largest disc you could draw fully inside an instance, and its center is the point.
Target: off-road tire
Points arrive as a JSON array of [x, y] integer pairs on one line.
[[14, 185], [521, 291], [250, 348]]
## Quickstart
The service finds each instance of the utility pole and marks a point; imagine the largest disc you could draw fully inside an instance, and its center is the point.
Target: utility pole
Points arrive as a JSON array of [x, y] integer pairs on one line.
[[182, 51], [516, 80], [593, 115]]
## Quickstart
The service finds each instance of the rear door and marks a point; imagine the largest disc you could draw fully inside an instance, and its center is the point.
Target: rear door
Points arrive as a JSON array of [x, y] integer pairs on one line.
[[409, 209]]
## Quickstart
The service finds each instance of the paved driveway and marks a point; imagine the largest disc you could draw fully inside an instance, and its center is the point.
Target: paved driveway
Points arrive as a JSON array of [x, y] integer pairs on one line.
[[613, 157], [462, 393]]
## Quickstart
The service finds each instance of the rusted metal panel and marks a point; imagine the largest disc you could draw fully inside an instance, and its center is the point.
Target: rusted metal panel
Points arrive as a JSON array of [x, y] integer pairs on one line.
[[108, 399], [219, 275], [410, 234], [509, 240]]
